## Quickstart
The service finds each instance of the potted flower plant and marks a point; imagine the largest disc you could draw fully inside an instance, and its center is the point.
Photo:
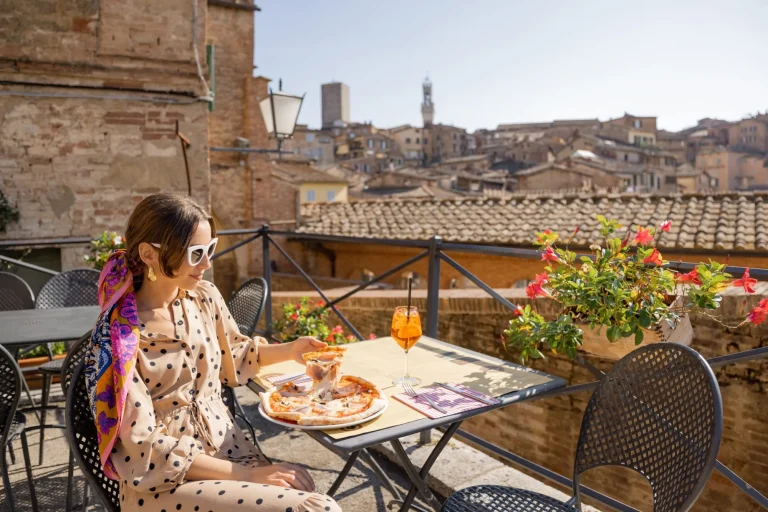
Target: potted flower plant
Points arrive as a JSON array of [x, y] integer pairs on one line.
[[618, 297], [102, 247], [304, 319]]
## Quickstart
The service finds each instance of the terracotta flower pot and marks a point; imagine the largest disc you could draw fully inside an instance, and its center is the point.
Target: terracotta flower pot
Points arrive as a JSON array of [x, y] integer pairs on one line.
[[598, 344]]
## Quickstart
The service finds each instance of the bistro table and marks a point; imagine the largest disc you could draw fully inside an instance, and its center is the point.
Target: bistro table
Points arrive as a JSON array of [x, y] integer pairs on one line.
[[529, 382], [37, 326]]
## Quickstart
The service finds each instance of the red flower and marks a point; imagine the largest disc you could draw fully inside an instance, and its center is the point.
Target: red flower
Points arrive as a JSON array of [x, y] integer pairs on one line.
[[297, 307], [518, 311], [747, 282], [549, 255], [350, 338], [295, 316], [665, 226], [372, 336], [691, 277], [654, 258], [329, 338], [626, 239], [535, 288], [320, 304], [759, 313], [644, 236], [337, 330]]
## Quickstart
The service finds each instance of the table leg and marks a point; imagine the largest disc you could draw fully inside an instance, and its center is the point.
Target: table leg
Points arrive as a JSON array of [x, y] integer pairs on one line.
[[344, 472], [388, 483], [419, 478]]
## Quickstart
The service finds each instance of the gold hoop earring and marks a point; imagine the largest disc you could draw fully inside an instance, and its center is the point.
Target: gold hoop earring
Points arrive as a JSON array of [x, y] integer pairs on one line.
[[151, 274]]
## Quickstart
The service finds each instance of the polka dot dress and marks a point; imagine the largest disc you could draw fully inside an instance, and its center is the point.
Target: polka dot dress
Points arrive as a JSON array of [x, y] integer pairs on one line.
[[174, 412]]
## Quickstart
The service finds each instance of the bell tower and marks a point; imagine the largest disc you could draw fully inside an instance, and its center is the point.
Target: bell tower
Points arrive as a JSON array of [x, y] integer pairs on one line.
[[427, 107]]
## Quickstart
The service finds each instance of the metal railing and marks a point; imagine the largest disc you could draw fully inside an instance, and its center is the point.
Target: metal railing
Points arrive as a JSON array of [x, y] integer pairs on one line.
[[434, 251]]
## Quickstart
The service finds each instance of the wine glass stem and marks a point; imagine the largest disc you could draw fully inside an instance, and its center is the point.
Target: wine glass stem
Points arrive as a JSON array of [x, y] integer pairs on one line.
[[407, 375]]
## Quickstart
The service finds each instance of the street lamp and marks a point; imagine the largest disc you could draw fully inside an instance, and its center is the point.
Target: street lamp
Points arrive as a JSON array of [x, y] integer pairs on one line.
[[280, 112]]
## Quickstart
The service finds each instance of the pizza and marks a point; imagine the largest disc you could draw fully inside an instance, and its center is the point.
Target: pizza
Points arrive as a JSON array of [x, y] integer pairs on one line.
[[330, 398]]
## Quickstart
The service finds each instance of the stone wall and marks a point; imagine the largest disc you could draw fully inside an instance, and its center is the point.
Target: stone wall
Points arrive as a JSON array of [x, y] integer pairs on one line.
[[75, 166], [546, 431]]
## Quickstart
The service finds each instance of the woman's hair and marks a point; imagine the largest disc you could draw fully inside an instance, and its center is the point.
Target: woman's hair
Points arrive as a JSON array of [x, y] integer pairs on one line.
[[167, 219]]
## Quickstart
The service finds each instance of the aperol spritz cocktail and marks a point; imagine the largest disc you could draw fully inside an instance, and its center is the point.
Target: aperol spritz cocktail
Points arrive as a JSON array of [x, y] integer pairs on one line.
[[406, 331]]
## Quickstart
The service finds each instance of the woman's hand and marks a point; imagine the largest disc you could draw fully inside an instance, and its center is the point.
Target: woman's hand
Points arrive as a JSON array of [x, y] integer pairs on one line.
[[281, 474], [303, 345]]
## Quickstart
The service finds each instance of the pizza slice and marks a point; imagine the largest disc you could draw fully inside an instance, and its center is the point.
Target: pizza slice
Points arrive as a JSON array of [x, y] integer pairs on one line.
[[324, 368]]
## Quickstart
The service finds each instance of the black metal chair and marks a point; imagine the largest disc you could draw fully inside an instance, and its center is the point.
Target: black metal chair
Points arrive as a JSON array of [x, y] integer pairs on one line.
[[68, 289], [15, 293], [658, 412], [246, 306], [83, 441], [13, 423]]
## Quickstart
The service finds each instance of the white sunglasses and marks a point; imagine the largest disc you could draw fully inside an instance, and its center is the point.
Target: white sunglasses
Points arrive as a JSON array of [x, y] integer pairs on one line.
[[195, 253]]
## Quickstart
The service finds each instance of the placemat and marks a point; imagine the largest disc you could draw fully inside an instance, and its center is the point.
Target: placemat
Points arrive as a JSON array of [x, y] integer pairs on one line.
[[452, 402], [382, 360]]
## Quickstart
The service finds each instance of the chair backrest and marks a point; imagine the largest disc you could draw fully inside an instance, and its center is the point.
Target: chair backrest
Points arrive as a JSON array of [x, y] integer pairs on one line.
[[83, 441], [247, 303], [658, 412], [15, 293], [75, 355], [10, 392], [70, 289]]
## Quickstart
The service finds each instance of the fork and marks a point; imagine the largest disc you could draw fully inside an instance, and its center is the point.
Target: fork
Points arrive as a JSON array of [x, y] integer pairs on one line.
[[412, 393]]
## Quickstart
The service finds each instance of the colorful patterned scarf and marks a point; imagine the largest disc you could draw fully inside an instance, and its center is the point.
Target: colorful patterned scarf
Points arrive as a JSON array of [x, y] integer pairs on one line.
[[111, 356]]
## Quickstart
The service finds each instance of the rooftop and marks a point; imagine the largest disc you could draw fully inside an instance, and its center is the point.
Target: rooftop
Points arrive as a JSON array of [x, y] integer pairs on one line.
[[298, 173], [735, 221]]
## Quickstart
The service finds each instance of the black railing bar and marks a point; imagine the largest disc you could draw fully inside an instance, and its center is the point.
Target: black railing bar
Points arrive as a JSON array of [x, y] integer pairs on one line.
[[472, 277], [738, 357], [28, 265], [317, 288], [246, 231], [594, 370], [544, 472], [741, 484], [236, 246], [46, 241], [492, 249], [567, 390], [406, 263], [423, 244], [761, 274]]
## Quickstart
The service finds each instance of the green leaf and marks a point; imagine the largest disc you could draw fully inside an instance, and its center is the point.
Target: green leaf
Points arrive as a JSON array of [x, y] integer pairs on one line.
[[614, 333], [645, 319], [638, 336]]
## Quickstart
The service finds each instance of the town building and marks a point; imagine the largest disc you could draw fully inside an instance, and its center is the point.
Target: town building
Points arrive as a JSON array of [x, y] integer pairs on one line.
[[734, 168], [750, 133], [335, 104], [311, 184], [316, 145], [412, 141]]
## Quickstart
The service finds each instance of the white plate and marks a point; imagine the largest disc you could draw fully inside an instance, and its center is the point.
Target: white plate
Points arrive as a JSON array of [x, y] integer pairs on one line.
[[321, 427]]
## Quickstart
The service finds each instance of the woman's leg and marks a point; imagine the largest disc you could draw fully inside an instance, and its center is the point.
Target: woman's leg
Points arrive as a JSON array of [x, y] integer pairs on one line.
[[233, 496]]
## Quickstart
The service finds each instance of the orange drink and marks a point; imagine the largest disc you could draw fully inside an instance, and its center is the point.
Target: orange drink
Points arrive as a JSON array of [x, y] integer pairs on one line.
[[406, 331]]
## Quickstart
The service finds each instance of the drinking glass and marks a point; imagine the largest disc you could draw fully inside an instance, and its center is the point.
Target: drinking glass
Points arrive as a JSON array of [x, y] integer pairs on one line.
[[406, 331]]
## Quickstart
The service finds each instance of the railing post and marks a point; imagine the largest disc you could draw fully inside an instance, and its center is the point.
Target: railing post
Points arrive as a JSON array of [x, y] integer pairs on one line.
[[433, 296], [267, 264]]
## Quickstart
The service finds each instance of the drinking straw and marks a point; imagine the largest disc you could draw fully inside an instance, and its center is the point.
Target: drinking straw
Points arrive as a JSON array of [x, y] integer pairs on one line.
[[408, 310]]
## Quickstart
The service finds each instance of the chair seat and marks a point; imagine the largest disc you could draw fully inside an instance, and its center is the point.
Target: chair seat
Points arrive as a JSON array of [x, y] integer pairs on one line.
[[18, 425], [495, 498], [52, 367]]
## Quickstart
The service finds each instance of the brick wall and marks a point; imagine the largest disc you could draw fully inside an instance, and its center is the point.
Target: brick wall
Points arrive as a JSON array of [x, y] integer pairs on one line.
[[78, 166], [546, 431]]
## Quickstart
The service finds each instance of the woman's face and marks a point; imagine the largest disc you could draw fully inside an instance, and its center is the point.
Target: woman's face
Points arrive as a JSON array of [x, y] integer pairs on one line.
[[188, 276]]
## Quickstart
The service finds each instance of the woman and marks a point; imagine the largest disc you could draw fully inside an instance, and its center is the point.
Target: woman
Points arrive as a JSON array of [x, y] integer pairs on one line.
[[161, 350]]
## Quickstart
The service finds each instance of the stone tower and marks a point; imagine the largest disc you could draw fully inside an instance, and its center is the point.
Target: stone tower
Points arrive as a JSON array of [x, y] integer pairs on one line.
[[427, 107]]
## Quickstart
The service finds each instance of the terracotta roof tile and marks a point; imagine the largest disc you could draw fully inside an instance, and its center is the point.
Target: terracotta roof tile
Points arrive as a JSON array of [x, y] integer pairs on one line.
[[724, 221]]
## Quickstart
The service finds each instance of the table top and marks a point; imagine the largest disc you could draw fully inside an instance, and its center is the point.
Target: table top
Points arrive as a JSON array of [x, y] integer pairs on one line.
[[366, 439], [31, 326]]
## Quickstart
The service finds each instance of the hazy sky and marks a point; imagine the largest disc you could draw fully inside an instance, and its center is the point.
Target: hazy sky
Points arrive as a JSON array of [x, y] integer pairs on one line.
[[503, 61]]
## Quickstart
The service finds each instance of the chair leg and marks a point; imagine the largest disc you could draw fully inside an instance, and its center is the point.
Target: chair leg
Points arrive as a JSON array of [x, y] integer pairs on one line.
[[86, 495], [28, 464], [7, 480], [47, 379], [13, 454], [70, 479]]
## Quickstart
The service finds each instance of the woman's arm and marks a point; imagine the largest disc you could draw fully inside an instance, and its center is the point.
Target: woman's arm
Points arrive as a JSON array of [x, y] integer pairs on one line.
[[205, 467]]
